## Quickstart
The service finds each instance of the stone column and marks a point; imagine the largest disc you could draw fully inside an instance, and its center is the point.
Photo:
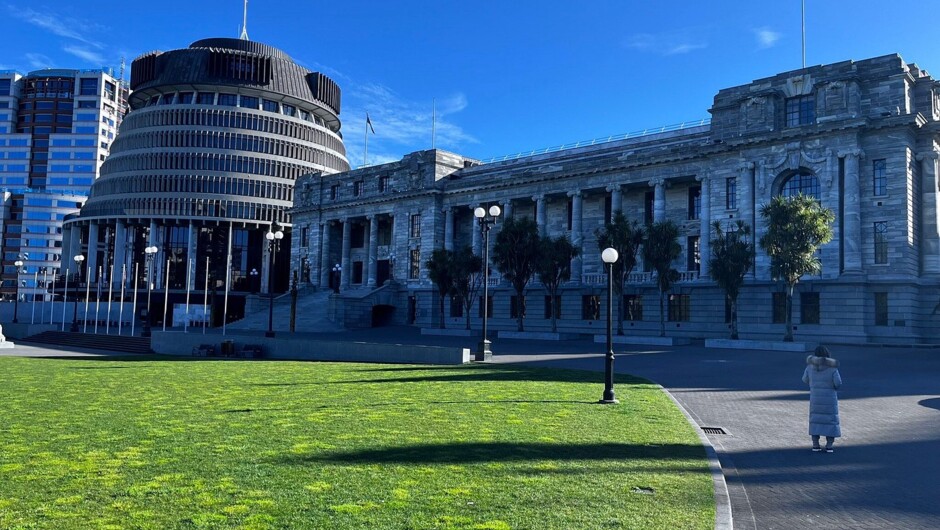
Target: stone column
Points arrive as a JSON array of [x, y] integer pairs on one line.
[[616, 200], [930, 224], [704, 241], [448, 228], [852, 231], [65, 257], [346, 273], [476, 237], [659, 199], [192, 245], [540, 214], [373, 250], [120, 251], [91, 261], [577, 238], [326, 265], [507, 209]]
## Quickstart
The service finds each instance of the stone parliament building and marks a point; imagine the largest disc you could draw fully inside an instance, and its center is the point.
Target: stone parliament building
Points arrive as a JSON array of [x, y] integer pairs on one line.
[[862, 136]]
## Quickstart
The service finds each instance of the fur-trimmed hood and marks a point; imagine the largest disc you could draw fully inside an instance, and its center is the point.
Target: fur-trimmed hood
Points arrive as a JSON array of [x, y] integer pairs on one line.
[[822, 362]]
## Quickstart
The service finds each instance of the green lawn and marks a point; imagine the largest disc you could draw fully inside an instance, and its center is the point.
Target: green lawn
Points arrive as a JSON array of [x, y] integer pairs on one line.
[[157, 443]]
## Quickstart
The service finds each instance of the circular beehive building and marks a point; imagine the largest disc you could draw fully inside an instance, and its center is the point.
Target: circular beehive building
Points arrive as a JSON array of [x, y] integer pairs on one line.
[[206, 160]]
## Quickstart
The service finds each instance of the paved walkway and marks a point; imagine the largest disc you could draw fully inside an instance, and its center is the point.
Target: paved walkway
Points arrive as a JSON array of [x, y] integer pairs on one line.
[[885, 472]]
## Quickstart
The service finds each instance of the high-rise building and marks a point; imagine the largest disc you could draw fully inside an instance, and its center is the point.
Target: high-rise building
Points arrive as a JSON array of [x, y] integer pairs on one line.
[[204, 167], [56, 128]]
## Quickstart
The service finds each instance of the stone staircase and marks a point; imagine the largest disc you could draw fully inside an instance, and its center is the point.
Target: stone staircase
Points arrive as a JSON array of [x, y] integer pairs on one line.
[[115, 343], [313, 310]]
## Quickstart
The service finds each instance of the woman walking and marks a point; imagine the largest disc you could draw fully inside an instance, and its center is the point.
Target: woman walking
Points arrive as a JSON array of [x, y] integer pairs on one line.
[[822, 375]]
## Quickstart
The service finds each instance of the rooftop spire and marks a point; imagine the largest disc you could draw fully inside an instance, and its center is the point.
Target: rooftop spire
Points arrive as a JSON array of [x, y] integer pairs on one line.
[[244, 35]]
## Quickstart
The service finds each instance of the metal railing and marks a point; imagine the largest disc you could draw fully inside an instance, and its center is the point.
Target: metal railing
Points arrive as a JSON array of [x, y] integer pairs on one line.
[[603, 140]]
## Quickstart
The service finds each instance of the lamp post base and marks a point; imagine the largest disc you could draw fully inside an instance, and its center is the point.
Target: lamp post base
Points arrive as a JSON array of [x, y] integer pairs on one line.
[[269, 334], [74, 327], [483, 352], [608, 402]]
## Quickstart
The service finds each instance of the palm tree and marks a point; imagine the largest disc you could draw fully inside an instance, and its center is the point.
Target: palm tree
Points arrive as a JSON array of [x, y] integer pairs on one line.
[[626, 237], [553, 266], [660, 248], [441, 271], [732, 256], [514, 255], [796, 227]]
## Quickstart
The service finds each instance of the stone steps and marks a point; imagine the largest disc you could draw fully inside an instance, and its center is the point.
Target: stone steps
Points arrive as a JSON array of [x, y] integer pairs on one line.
[[312, 314], [116, 343]]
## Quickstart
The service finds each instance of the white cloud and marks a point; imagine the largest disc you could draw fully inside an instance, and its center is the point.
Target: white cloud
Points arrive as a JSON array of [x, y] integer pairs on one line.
[[670, 43], [63, 27], [766, 37], [38, 60], [85, 54]]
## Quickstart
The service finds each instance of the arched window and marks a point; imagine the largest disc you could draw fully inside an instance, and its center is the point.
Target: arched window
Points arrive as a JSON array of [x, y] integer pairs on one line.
[[803, 181]]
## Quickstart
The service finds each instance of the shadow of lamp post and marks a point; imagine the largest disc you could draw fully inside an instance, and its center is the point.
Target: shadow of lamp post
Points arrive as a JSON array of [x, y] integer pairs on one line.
[[150, 253], [274, 238], [609, 257], [484, 352]]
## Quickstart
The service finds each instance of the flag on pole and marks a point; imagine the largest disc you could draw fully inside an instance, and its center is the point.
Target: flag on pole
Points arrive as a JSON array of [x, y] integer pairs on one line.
[[369, 123]]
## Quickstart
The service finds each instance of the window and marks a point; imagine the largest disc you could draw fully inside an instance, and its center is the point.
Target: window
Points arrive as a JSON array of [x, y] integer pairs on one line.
[[85, 104], [88, 87], [590, 307], [679, 307], [881, 309], [268, 105], [881, 242], [456, 306], [289, 110], [570, 208], [489, 307], [549, 308], [879, 177], [383, 183], [357, 236], [731, 193], [357, 188], [693, 258], [801, 110], [802, 182], [516, 306], [780, 308], [249, 102], [357, 272], [695, 202], [167, 99], [186, 98], [809, 308], [303, 237], [608, 206], [5, 85], [414, 264], [633, 307], [228, 100], [648, 207], [205, 98], [416, 225], [334, 189]]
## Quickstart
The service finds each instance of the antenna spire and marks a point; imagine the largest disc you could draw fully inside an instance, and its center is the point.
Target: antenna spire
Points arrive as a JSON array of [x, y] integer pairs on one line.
[[244, 35]]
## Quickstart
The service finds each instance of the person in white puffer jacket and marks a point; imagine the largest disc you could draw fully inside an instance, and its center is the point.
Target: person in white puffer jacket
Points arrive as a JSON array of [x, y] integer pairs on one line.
[[822, 375]]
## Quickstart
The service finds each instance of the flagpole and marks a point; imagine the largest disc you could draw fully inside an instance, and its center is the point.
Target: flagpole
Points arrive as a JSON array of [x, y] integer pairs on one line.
[[32, 318], [97, 298], [205, 301], [134, 312], [166, 292], [189, 273], [107, 326], [433, 121], [228, 276], [121, 312], [51, 309], [365, 156], [65, 302], [87, 296], [803, 28]]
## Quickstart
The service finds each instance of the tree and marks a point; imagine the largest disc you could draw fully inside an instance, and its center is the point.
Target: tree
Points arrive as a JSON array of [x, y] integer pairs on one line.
[[467, 267], [660, 248], [732, 256], [441, 271], [797, 227], [514, 256], [626, 237], [553, 265]]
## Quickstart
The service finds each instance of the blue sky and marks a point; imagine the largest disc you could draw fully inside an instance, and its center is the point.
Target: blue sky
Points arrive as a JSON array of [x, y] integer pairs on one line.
[[506, 76]]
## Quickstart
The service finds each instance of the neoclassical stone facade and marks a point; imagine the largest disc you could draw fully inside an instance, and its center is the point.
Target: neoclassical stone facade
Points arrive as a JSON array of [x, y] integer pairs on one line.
[[862, 136]]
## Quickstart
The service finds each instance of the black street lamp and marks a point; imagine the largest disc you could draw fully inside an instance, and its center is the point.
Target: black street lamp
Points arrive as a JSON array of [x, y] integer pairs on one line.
[[254, 280], [337, 275], [274, 244], [150, 253], [609, 256], [16, 302], [484, 353], [78, 263]]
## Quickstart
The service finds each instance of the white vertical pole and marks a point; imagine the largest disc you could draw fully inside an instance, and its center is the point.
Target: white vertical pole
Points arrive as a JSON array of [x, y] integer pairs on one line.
[[32, 318], [97, 298], [121, 311], [205, 301], [803, 28], [107, 326], [166, 292], [134, 312], [189, 268], [65, 302], [51, 309], [87, 296], [228, 277]]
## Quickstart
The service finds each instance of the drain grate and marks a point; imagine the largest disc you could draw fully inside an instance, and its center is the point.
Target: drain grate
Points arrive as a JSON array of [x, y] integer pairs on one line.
[[714, 430]]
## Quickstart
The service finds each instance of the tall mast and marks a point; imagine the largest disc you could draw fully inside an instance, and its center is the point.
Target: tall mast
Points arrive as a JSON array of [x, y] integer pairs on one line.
[[244, 35]]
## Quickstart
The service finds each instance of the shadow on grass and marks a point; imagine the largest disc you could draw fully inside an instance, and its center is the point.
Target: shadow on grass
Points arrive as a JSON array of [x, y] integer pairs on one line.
[[485, 452]]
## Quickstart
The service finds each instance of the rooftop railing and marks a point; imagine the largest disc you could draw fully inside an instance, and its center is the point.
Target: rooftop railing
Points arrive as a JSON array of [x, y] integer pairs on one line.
[[604, 140]]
